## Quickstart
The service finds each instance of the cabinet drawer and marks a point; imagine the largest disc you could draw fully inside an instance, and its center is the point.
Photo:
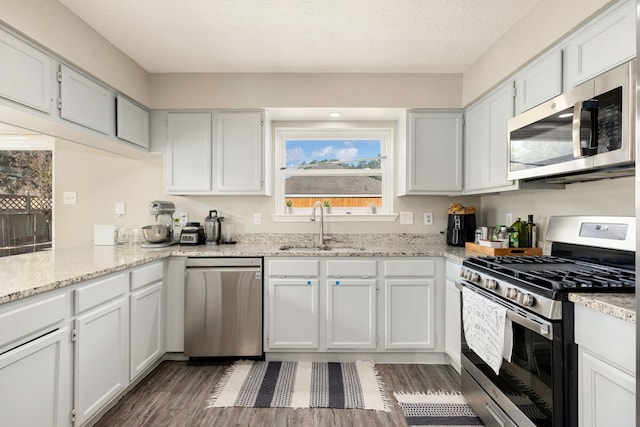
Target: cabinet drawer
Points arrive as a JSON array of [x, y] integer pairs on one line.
[[294, 268], [349, 268], [22, 320], [100, 291], [410, 268], [146, 275]]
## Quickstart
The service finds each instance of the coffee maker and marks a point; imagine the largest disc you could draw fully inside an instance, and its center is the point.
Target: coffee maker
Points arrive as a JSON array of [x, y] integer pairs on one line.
[[461, 228]]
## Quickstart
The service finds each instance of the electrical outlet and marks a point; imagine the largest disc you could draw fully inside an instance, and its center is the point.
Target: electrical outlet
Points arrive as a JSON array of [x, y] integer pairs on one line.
[[509, 219], [184, 218], [406, 217], [428, 218], [120, 208], [69, 198], [257, 218]]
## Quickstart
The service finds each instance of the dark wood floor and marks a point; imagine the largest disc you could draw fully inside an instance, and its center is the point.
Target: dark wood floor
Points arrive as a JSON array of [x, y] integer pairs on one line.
[[176, 393]]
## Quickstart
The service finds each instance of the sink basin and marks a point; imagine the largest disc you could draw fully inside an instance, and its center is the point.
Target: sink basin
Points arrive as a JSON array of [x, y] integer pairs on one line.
[[325, 248]]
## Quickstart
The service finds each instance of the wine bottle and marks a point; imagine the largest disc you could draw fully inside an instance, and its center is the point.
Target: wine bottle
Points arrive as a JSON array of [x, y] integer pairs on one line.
[[531, 232]]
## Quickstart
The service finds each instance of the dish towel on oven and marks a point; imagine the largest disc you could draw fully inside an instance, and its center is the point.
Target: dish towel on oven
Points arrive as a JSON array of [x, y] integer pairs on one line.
[[486, 328]]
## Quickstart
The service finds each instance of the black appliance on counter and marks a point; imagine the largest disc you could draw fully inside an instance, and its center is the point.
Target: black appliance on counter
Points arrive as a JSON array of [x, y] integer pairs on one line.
[[538, 386], [192, 234], [461, 228]]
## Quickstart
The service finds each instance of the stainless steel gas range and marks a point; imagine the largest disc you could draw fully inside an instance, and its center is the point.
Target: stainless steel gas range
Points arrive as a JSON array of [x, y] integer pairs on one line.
[[519, 358]]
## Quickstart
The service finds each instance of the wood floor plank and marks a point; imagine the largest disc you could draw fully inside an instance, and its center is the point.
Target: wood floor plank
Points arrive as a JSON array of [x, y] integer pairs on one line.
[[176, 394]]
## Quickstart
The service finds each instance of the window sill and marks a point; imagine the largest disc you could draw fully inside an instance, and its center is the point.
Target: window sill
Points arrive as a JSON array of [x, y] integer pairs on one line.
[[304, 217]]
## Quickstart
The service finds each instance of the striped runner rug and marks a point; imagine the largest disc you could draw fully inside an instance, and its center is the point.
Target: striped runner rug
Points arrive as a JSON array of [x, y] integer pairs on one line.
[[301, 385], [437, 409]]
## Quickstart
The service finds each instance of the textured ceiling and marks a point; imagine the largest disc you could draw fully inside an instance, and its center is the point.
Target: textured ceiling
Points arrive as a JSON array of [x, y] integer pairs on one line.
[[400, 36]]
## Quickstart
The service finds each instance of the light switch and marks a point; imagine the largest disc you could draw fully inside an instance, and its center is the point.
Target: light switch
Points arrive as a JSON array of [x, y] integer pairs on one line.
[[257, 218], [406, 217], [120, 208]]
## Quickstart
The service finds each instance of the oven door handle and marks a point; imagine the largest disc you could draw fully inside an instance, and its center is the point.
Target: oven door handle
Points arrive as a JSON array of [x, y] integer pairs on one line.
[[537, 327]]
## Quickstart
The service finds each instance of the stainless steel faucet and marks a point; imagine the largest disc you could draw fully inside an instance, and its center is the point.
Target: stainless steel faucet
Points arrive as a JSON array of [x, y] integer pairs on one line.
[[313, 218]]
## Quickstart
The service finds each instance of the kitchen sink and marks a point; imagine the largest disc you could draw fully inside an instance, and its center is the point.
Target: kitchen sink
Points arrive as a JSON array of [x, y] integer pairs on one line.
[[290, 248]]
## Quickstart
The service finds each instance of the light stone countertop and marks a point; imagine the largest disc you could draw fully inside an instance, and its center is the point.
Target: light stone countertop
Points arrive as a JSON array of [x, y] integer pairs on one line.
[[30, 274]]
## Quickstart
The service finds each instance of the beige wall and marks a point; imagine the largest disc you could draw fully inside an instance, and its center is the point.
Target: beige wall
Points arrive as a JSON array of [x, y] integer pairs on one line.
[[51, 24], [606, 197], [305, 90], [547, 23]]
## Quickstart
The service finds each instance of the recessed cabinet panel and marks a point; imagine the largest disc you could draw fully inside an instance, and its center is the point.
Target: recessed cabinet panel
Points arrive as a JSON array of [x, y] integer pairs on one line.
[[539, 82], [188, 159], [606, 42], [293, 313], [85, 102], [410, 314], [146, 328], [25, 73], [240, 153], [434, 153], [132, 122], [351, 313]]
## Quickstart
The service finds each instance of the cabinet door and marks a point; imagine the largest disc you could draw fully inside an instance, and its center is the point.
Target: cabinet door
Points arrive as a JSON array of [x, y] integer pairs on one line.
[[486, 158], [147, 318], [85, 102], [132, 122], [101, 357], [452, 341], [188, 160], [606, 394], [608, 41], [351, 313], [25, 73], [539, 82], [293, 313], [34, 382], [410, 313], [434, 153], [240, 153]]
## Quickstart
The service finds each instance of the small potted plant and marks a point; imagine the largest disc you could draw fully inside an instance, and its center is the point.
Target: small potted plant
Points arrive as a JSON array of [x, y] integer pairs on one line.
[[327, 206], [289, 204]]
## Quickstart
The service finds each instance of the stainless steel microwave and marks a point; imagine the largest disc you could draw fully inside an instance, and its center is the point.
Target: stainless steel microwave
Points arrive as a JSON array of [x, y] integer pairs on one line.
[[584, 134]]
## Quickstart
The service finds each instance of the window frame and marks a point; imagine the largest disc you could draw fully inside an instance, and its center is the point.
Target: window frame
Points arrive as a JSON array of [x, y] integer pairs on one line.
[[384, 134]]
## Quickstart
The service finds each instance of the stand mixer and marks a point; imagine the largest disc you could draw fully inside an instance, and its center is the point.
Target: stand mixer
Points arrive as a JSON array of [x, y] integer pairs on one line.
[[163, 211]]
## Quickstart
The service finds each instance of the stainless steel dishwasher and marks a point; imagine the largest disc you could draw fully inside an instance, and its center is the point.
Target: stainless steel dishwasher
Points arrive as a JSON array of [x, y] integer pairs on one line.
[[223, 307]]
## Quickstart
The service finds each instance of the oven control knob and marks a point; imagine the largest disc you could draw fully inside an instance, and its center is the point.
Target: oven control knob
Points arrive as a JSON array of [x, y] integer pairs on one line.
[[491, 284], [464, 274], [475, 277], [526, 299], [512, 293]]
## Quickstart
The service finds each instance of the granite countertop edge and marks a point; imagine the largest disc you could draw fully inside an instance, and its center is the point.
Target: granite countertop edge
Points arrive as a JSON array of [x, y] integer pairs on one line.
[[27, 275]]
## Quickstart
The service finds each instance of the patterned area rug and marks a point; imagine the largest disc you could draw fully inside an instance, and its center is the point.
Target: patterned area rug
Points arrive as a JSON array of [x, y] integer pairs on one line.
[[301, 385], [437, 409]]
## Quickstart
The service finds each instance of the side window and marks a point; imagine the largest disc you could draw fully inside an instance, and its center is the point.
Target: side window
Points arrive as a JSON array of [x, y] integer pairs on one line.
[[26, 188]]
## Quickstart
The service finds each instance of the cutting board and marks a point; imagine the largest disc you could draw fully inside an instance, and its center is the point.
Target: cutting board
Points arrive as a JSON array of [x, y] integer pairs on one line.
[[502, 251]]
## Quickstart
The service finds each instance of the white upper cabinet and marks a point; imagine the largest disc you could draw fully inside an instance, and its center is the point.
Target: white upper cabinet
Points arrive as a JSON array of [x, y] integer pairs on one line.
[[85, 102], [430, 159], [539, 82], [188, 159], [605, 42], [132, 122], [25, 73], [486, 143], [240, 153], [213, 152]]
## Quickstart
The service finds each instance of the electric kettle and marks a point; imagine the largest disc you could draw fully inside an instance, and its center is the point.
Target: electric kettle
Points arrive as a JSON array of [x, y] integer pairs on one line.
[[213, 228]]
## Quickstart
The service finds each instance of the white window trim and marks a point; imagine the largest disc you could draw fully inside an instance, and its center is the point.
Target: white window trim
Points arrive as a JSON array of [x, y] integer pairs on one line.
[[383, 213]]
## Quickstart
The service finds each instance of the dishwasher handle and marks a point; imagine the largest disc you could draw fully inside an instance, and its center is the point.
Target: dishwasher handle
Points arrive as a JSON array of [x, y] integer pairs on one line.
[[223, 262], [223, 269]]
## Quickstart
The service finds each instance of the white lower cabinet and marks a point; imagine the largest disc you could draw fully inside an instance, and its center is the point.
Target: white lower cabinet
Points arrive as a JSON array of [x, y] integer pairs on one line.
[[351, 313], [452, 337], [606, 369], [35, 362], [146, 342], [101, 344], [342, 304], [293, 313]]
